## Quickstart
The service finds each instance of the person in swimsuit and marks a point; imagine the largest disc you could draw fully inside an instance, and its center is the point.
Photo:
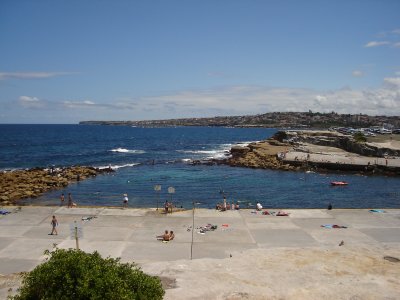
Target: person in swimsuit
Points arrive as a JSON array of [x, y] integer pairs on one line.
[[54, 224]]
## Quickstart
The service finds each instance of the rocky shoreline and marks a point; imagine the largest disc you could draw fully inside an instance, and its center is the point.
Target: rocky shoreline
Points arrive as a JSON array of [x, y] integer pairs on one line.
[[318, 151], [31, 183]]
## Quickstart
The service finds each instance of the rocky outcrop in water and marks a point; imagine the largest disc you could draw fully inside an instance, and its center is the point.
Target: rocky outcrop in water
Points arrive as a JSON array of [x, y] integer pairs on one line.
[[263, 155], [274, 152], [337, 140], [20, 184]]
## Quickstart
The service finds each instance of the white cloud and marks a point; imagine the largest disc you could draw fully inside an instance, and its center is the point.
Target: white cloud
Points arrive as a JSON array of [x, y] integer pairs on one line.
[[396, 45], [376, 44], [393, 82], [30, 75], [81, 104], [241, 100], [396, 31], [88, 102], [357, 73], [30, 102], [233, 100]]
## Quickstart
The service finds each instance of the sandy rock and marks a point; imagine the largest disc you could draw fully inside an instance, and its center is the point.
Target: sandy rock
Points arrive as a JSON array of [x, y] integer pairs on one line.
[[32, 183]]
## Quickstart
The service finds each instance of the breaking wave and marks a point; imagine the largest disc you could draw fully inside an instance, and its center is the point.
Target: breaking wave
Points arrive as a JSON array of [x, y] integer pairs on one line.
[[123, 150]]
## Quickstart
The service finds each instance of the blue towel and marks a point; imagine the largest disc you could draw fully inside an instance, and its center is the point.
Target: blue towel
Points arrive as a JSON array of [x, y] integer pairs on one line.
[[377, 210], [4, 212]]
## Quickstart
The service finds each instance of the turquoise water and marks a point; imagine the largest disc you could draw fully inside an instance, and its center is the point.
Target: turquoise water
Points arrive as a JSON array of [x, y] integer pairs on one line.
[[144, 157]]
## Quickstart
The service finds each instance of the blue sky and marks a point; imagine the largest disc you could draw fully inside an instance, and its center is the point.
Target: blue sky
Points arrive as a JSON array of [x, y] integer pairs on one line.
[[67, 61]]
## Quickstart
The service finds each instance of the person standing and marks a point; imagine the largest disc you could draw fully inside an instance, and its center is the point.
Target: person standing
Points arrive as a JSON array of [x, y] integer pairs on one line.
[[54, 224], [70, 203], [62, 198], [125, 202]]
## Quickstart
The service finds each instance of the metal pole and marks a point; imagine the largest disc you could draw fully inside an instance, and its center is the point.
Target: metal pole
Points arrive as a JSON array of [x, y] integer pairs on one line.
[[158, 198], [191, 245], [76, 236]]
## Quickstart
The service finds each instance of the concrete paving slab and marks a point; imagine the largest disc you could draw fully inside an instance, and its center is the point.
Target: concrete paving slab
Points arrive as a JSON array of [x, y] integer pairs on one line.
[[5, 242], [206, 213], [42, 231], [308, 213], [9, 266], [27, 248], [312, 224], [253, 214], [124, 212], [282, 238], [79, 211], [273, 223], [368, 220], [384, 235], [105, 248], [35, 209], [155, 251], [334, 236], [219, 221], [224, 235], [13, 230], [150, 231], [63, 219], [106, 233], [149, 234], [25, 218], [111, 221], [131, 233], [221, 250]]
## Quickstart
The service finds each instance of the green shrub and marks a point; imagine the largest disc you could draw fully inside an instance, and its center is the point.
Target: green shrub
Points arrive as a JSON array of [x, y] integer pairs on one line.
[[74, 274], [359, 137]]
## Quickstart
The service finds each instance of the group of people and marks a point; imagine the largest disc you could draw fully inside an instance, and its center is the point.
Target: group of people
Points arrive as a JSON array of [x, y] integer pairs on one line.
[[227, 206], [167, 236], [70, 202]]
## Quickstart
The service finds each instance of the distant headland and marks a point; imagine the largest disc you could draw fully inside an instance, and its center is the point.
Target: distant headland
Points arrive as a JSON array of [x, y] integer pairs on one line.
[[269, 120]]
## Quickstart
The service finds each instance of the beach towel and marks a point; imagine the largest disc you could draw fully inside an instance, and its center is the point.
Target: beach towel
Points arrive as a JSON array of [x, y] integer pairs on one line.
[[282, 214], [88, 218], [333, 226], [265, 212], [377, 211], [4, 212]]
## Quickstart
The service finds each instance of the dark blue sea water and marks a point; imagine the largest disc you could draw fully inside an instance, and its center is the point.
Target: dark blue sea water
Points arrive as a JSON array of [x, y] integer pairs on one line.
[[144, 157]]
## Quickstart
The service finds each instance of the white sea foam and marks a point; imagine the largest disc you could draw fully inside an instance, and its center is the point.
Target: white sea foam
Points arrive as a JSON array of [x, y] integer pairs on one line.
[[198, 151], [123, 150], [222, 151], [245, 144], [116, 167]]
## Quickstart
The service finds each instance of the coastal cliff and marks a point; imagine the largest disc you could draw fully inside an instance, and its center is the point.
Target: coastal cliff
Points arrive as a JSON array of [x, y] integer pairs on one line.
[[20, 184], [269, 120], [318, 151]]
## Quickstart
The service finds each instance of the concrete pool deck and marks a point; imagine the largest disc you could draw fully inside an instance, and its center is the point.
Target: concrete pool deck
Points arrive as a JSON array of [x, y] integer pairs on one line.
[[131, 234]]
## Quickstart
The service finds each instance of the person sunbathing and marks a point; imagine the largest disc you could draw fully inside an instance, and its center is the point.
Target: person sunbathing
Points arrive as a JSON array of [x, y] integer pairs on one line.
[[164, 237], [282, 214]]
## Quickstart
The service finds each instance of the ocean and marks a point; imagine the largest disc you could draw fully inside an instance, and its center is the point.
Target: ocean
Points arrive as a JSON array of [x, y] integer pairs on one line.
[[145, 157]]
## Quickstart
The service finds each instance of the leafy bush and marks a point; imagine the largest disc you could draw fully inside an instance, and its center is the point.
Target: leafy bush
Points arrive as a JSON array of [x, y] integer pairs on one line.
[[74, 274], [359, 137]]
